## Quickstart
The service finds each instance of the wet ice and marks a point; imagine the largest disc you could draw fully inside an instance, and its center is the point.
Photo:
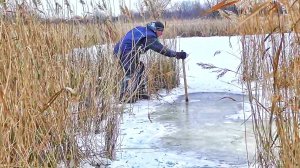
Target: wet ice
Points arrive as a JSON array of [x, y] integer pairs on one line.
[[202, 128]]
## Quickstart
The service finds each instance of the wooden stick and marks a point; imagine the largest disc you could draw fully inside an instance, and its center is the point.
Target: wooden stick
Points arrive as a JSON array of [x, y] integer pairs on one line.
[[185, 82]]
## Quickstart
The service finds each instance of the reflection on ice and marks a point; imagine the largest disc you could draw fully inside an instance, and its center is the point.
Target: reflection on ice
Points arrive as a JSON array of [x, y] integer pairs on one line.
[[204, 128]]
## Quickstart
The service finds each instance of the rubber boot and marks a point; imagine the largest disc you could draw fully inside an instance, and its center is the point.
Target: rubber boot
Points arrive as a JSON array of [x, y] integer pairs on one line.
[[142, 93]]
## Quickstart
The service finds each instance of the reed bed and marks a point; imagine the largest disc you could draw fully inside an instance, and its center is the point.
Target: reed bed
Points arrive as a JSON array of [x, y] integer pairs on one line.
[[270, 67], [200, 27], [59, 89], [196, 27], [270, 73], [53, 98]]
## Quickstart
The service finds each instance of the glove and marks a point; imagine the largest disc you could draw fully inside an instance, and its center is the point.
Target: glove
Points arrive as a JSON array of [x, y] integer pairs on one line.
[[181, 55]]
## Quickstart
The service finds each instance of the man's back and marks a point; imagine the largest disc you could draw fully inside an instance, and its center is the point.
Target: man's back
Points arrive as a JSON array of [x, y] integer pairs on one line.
[[135, 40]]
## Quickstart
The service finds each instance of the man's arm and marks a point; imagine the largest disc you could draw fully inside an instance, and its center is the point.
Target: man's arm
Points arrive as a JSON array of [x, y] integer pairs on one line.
[[155, 45]]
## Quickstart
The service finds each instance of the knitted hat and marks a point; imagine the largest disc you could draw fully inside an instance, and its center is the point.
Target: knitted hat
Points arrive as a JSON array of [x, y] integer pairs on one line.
[[156, 26]]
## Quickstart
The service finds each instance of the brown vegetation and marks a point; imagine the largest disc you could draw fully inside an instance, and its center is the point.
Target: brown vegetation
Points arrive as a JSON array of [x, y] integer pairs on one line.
[[270, 67], [57, 96], [51, 95]]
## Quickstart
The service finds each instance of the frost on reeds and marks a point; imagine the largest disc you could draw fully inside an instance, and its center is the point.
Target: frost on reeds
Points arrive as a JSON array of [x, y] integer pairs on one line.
[[58, 97]]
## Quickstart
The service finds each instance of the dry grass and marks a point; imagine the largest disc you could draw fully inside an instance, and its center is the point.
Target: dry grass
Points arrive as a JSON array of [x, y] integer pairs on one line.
[[199, 27], [270, 68], [271, 74], [51, 96], [58, 105], [196, 27]]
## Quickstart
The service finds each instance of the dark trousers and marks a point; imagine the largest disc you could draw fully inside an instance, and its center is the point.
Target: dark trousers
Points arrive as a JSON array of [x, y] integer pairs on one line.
[[134, 76]]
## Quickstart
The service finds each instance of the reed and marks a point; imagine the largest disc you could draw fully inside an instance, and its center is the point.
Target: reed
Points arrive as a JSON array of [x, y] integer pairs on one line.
[[200, 27], [55, 93], [270, 72], [270, 67], [58, 94]]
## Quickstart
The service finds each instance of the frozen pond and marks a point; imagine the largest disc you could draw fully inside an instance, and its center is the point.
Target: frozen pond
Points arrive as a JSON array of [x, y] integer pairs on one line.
[[204, 128]]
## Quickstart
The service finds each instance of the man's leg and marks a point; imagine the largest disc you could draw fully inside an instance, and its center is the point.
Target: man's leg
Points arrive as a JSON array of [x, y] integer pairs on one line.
[[134, 85], [141, 80], [124, 87], [127, 86]]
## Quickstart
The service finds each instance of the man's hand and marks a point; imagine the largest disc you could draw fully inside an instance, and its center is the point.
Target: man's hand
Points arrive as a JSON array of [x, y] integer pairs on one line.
[[181, 55]]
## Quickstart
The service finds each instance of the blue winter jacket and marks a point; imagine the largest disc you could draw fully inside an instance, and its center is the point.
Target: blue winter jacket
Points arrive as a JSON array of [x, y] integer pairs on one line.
[[139, 40]]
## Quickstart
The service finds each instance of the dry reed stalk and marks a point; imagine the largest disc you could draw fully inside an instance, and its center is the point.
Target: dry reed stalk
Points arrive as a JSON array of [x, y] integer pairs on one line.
[[37, 73], [162, 73], [199, 27], [270, 61], [55, 97], [271, 79]]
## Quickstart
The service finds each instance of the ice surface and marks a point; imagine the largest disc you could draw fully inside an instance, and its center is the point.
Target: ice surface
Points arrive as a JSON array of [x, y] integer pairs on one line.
[[203, 130]]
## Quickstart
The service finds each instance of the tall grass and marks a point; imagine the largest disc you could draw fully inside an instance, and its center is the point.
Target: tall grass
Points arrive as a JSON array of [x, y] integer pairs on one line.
[[53, 98], [199, 27], [58, 96], [270, 62], [32, 78], [196, 27], [270, 72]]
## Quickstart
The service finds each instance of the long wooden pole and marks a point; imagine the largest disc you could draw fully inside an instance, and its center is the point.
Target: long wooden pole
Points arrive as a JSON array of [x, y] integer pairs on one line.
[[184, 78], [185, 82]]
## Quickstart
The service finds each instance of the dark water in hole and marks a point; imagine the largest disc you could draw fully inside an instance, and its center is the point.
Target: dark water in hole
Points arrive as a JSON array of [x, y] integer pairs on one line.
[[202, 128]]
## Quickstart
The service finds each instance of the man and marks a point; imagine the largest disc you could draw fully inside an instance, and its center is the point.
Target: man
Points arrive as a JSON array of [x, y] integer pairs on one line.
[[137, 41]]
